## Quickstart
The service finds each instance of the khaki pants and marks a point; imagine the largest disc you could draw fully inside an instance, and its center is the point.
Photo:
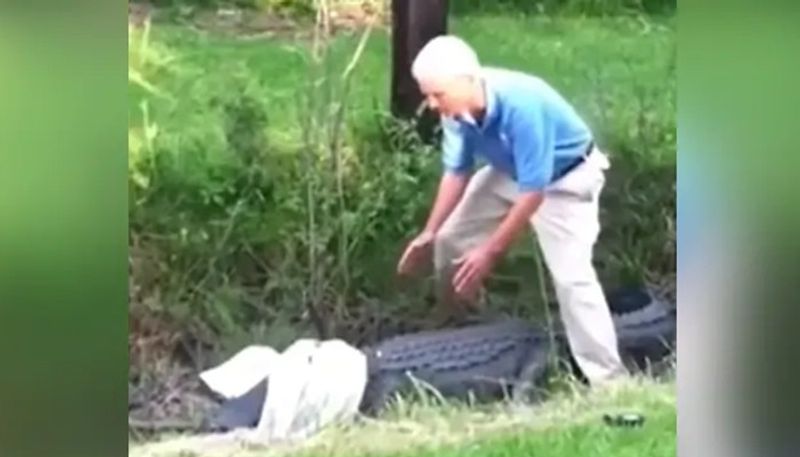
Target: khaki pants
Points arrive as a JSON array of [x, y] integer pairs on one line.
[[566, 225]]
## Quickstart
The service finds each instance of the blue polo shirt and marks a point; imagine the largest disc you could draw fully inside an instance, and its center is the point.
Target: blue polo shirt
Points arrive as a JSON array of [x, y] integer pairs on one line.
[[529, 131]]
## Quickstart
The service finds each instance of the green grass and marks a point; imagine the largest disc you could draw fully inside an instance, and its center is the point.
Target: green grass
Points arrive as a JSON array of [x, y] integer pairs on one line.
[[656, 439], [568, 425], [605, 66]]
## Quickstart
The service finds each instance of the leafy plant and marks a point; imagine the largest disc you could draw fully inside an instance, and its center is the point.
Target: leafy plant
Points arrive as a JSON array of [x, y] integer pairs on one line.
[[145, 61]]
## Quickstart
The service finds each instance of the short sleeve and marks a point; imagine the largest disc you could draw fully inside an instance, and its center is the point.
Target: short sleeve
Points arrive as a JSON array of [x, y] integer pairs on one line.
[[533, 148], [456, 154]]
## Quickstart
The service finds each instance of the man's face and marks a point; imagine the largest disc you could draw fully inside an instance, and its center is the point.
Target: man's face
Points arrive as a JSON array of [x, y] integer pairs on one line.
[[448, 96]]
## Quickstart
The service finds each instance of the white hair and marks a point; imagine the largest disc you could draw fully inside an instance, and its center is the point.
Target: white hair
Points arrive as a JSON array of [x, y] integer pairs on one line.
[[445, 56]]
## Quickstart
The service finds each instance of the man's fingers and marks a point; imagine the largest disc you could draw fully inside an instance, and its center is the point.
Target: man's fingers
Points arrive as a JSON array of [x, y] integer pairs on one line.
[[467, 290], [406, 255], [464, 268], [465, 285], [459, 263], [410, 256], [469, 287], [460, 272], [403, 265], [463, 277]]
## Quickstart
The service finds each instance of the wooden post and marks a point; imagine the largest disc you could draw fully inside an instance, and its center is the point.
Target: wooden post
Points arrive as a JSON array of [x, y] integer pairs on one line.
[[414, 23]]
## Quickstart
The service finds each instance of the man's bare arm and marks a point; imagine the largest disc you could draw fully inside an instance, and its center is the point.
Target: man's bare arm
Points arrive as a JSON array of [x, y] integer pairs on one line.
[[476, 264], [517, 218], [451, 188]]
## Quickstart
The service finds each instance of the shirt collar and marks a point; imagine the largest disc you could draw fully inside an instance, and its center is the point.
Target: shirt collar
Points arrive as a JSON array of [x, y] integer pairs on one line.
[[491, 106]]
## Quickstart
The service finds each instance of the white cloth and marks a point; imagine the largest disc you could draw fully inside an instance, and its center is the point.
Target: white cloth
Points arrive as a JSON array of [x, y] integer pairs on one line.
[[311, 384], [241, 372]]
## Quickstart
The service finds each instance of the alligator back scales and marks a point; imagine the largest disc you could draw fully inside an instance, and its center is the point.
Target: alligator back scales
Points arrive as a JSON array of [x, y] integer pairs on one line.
[[485, 361]]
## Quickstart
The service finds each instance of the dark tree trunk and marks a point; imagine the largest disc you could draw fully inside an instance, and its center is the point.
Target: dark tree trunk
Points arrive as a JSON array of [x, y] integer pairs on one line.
[[414, 23]]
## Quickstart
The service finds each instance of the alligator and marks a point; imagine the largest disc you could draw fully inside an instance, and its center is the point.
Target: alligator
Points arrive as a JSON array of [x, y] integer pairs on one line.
[[487, 361]]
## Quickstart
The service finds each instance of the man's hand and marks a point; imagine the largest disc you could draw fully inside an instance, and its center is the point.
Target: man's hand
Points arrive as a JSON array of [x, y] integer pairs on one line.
[[451, 187], [477, 263], [414, 252], [473, 268]]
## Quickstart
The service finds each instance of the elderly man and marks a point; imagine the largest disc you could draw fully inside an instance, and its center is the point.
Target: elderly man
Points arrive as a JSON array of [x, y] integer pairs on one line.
[[542, 170]]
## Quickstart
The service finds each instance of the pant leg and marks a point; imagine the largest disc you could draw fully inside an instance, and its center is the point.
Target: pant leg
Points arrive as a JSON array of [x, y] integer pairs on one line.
[[480, 211], [567, 225]]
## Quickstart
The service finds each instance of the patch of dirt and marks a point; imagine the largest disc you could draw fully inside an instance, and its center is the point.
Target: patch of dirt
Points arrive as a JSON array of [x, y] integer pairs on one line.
[[251, 24], [172, 400], [345, 16]]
